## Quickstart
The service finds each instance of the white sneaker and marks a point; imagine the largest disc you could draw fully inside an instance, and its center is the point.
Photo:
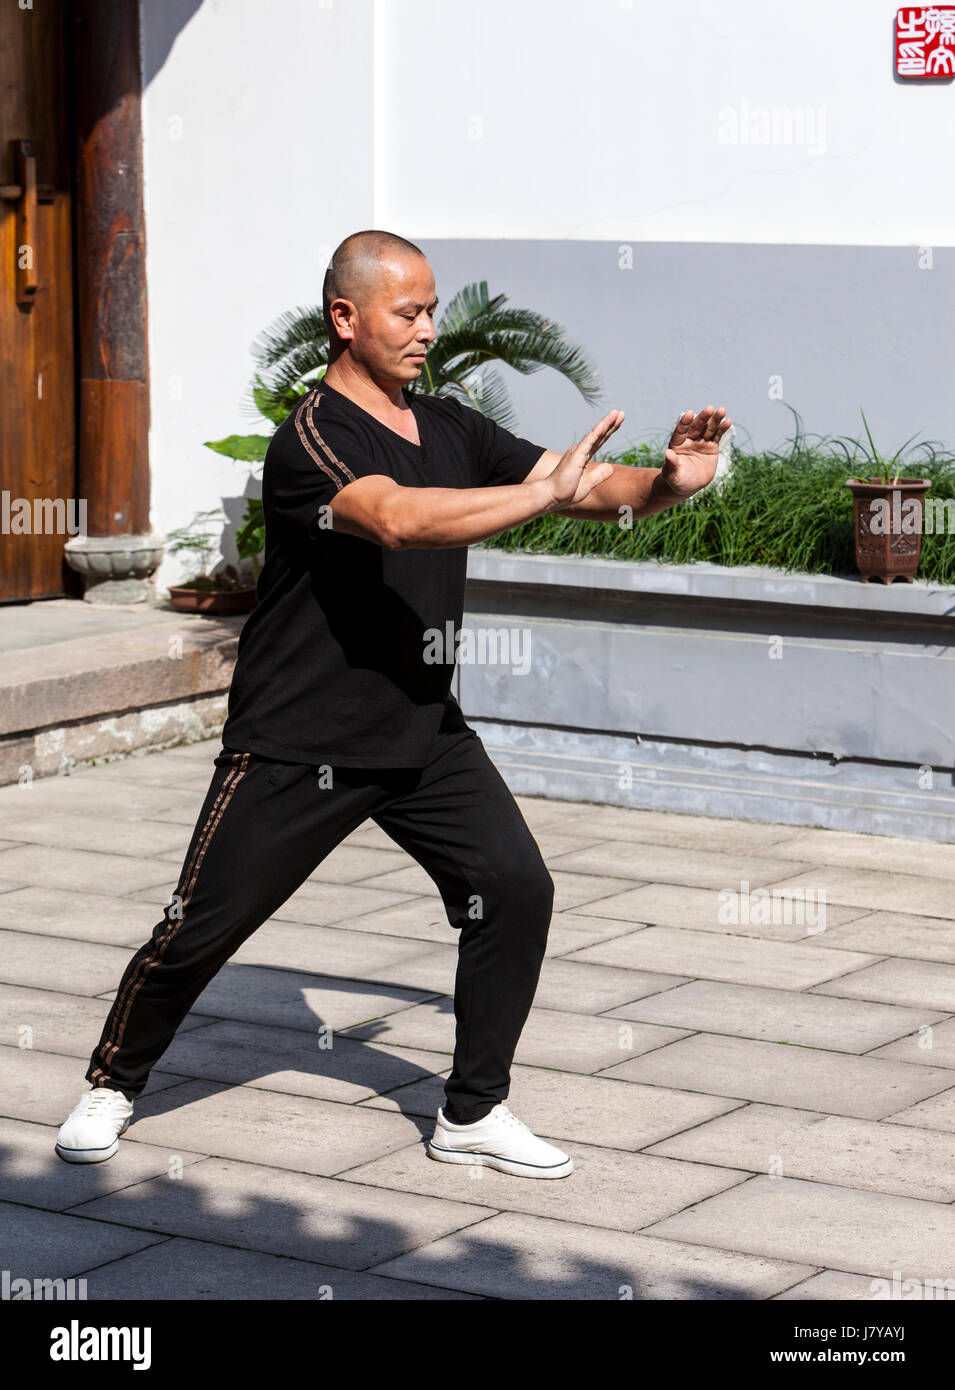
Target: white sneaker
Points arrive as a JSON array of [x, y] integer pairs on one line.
[[91, 1133], [500, 1140]]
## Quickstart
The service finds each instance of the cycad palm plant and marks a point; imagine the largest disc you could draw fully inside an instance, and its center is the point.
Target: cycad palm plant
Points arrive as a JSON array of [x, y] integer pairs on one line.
[[475, 329]]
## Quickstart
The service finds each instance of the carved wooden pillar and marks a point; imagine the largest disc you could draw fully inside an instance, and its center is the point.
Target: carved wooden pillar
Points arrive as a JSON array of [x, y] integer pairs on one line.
[[118, 554]]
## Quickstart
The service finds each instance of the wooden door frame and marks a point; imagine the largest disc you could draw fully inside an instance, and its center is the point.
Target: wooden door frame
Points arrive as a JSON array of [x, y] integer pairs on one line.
[[112, 465]]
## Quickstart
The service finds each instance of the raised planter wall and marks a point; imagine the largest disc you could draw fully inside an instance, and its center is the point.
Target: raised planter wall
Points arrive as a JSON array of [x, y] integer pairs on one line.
[[744, 693]]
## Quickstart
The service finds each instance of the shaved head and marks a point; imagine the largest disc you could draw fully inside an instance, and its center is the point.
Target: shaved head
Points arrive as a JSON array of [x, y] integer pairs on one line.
[[356, 266], [379, 304]]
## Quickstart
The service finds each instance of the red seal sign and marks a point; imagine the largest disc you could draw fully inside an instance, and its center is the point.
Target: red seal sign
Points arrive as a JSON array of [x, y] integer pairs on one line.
[[925, 41]]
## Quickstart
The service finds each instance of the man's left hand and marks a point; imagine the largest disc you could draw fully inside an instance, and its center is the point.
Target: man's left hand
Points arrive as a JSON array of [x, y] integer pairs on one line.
[[690, 459]]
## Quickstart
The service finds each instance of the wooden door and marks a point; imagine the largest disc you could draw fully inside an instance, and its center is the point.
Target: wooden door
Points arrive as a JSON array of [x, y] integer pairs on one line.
[[37, 369]]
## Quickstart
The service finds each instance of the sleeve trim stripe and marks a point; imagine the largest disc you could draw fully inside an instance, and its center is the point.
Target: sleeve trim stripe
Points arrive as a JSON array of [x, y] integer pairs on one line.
[[310, 437]]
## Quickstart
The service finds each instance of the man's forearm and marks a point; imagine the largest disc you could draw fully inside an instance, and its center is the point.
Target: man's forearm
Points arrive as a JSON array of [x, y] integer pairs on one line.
[[643, 490], [442, 518]]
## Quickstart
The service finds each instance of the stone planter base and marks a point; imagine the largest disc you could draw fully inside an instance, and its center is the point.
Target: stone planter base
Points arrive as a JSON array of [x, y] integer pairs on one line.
[[115, 569]]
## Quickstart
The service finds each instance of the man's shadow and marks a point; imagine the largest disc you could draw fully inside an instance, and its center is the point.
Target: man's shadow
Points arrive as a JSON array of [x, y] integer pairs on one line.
[[233, 1036]]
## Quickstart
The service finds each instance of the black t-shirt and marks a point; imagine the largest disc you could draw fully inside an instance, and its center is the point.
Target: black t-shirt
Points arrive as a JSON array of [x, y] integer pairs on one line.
[[335, 664]]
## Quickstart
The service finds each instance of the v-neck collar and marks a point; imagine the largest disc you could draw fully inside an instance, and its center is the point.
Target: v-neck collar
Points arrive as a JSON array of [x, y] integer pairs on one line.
[[340, 396]]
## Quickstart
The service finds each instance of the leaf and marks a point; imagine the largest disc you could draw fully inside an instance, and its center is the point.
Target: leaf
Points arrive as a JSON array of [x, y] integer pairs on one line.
[[246, 448], [476, 328]]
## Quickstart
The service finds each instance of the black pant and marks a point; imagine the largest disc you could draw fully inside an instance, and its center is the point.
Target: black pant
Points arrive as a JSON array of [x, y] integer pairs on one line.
[[263, 828]]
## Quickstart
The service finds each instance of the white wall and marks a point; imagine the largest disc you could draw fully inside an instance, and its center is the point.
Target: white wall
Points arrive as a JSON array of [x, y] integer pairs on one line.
[[249, 187], [273, 128], [600, 119]]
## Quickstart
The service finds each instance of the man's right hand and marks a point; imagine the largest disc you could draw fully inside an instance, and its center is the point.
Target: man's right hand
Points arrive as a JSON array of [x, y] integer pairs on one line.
[[575, 476]]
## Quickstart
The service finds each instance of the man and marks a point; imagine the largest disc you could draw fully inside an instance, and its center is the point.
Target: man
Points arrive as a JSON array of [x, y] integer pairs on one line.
[[339, 713]]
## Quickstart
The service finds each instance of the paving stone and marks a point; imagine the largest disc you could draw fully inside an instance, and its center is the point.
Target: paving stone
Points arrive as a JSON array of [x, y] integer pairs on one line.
[[349, 863], [158, 895], [571, 986], [200, 750], [420, 919], [68, 1024], [570, 932], [85, 916], [540, 813], [152, 769], [184, 811], [864, 1154], [882, 852], [920, 984], [805, 1077], [550, 842], [553, 843], [370, 835], [938, 1112], [432, 969], [51, 962], [291, 999], [51, 1245], [298, 1214], [562, 1106], [190, 1270], [424, 919], [296, 1062], [885, 892], [673, 905], [933, 1045], [582, 987], [571, 889], [248, 1124], [831, 1286], [530, 1257], [80, 870], [569, 1041], [44, 1087], [327, 903], [422, 1098], [781, 1015], [79, 796], [682, 831], [894, 934], [318, 904], [328, 950], [705, 955], [868, 1233], [32, 1174], [66, 830], [656, 863], [609, 1188]]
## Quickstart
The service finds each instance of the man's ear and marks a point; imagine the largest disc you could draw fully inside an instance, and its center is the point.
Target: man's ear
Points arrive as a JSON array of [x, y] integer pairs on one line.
[[343, 314]]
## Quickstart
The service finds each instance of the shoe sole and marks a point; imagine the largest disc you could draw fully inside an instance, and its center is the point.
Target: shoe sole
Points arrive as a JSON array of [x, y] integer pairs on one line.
[[502, 1165], [89, 1155]]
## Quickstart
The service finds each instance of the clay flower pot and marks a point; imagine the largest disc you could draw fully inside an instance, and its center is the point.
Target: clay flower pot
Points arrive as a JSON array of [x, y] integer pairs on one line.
[[212, 601], [888, 531]]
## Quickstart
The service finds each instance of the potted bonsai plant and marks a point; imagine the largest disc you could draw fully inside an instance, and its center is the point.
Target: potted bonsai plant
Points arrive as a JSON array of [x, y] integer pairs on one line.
[[888, 516], [222, 591]]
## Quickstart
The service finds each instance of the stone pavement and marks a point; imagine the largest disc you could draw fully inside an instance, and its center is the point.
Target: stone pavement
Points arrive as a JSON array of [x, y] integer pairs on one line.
[[757, 1109]]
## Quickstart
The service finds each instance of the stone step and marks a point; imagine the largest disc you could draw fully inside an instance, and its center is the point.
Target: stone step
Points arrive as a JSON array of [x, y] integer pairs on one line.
[[141, 679]]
